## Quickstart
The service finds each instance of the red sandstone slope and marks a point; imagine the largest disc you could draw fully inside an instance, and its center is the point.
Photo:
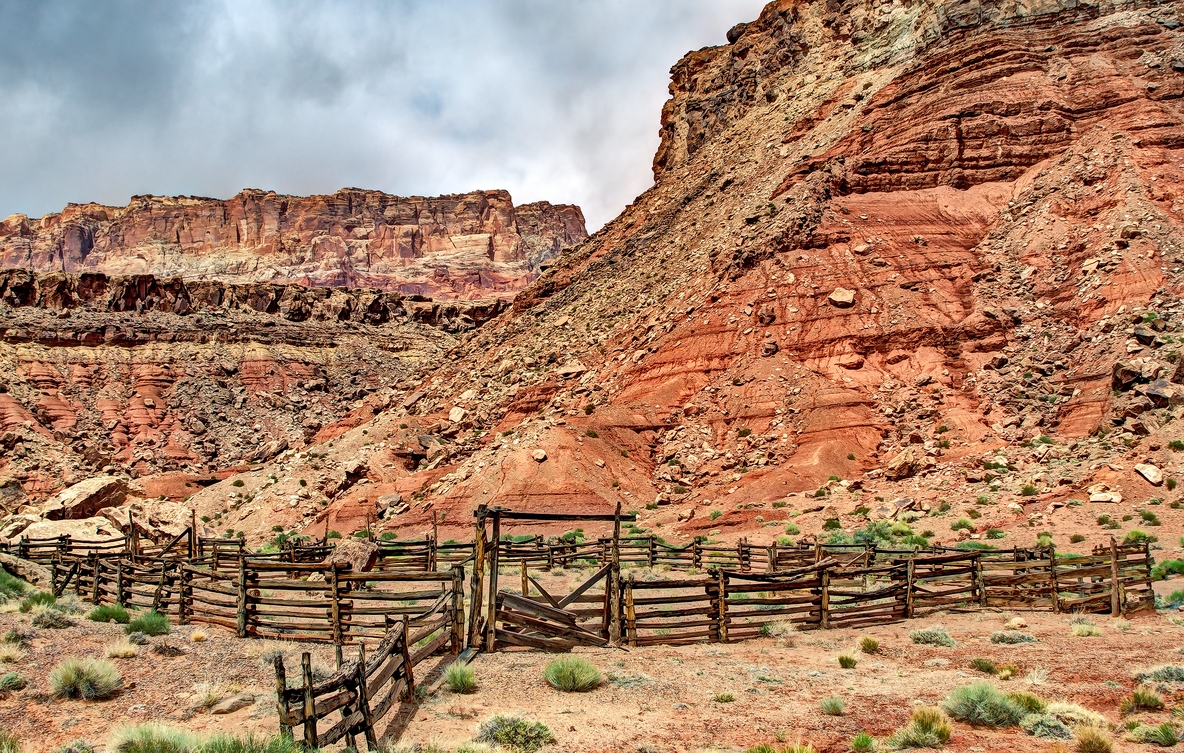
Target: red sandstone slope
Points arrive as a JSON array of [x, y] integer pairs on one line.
[[888, 244], [468, 246]]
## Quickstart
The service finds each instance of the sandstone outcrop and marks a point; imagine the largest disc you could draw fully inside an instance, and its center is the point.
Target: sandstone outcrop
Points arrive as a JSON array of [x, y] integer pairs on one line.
[[467, 246], [85, 499]]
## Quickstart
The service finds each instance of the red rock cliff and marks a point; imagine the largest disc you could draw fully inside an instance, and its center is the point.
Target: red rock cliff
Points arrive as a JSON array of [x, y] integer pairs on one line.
[[467, 246]]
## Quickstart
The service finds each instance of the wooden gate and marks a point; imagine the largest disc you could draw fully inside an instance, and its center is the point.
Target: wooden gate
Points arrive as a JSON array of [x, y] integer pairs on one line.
[[547, 623]]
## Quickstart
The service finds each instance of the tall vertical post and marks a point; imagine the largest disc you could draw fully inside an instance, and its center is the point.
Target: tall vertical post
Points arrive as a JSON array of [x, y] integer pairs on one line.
[[476, 602], [192, 533], [773, 557], [407, 659], [980, 581], [434, 545], [630, 613], [614, 582], [364, 701], [909, 594], [525, 579], [1052, 579], [491, 620], [242, 602], [281, 696], [723, 607], [309, 711], [1115, 596], [458, 608], [824, 602]]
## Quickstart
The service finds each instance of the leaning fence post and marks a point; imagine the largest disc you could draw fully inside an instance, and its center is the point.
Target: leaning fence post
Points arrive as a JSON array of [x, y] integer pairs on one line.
[[410, 692], [310, 710], [281, 695], [242, 605], [364, 700]]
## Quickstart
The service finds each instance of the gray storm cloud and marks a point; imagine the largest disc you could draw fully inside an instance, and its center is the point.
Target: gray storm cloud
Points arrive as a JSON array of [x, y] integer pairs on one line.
[[550, 99]]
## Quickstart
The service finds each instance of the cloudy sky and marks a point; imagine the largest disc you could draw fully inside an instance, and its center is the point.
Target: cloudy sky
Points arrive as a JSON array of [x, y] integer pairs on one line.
[[551, 99]]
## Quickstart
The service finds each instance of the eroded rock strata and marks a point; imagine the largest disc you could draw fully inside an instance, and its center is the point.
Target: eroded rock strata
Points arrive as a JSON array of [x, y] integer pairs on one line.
[[467, 246]]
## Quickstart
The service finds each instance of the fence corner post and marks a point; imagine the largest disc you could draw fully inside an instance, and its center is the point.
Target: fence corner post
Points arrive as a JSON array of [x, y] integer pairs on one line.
[[242, 603], [310, 713], [824, 601], [281, 695]]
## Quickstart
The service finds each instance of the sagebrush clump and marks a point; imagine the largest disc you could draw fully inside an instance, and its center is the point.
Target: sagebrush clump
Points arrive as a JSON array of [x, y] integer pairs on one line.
[[86, 678], [929, 728], [149, 623], [460, 678], [932, 636], [516, 733]]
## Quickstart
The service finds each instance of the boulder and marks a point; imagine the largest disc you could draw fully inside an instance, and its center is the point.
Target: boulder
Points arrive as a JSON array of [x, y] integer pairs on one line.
[[456, 415], [903, 465], [851, 361], [842, 298], [1124, 375], [12, 493], [85, 499], [769, 348], [86, 528], [233, 704], [539, 455], [359, 554], [1153, 475], [30, 572]]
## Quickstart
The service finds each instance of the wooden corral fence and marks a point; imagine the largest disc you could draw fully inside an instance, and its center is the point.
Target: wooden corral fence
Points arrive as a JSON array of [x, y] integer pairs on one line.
[[354, 699]]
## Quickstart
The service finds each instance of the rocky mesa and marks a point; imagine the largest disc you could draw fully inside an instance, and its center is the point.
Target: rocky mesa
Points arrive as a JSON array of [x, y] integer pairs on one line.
[[467, 246]]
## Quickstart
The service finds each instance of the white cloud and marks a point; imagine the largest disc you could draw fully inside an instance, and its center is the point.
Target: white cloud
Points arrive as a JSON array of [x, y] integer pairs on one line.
[[550, 99]]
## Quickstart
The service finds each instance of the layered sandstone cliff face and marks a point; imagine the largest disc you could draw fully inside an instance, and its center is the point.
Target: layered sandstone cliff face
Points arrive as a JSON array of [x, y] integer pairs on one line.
[[468, 246], [915, 258]]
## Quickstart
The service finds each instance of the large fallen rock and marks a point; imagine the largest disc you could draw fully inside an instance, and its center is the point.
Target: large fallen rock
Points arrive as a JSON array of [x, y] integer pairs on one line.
[[30, 572], [903, 465], [85, 499], [90, 529], [1153, 475], [359, 554]]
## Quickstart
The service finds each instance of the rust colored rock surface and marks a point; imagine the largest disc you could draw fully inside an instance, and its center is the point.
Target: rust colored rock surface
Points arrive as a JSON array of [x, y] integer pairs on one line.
[[466, 246]]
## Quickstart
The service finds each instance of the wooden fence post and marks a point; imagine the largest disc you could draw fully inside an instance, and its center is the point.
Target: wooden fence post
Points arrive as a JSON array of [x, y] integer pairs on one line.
[[119, 582], [281, 697], [476, 601], [184, 593], [309, 711], [696, 555], [650, 551], [723, 607], [410, 692], [491, 621], [773, 557], [335, 610], [242, 619], [824, 602], [614, 583], [1115, 597], [94, 591], [630, 613], [458, 608], [1052, 579], [980, 581], [364, 701], [525, 581], [910, 574]]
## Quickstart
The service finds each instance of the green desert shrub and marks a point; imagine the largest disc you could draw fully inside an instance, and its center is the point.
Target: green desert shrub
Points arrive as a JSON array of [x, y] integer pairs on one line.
[[10, 585], [1046, 726], [1075, 715], [149, 623], [38, 599], [1093, 740], [986, 666], [929, 728], [516, 733], [1012, 637], [152, 737], [1085, 630], [981, 704], [932, 636], [11, 681], [75, 746], [1029, 702], [109, 613], [249, 744], [863, 743], [1165, 673], [460, 678], [1164, 735], [571, 674], [9, 743], [1141, 699], [869, 645], [723, 697], [847, 662], [833, 706], [86, 678]]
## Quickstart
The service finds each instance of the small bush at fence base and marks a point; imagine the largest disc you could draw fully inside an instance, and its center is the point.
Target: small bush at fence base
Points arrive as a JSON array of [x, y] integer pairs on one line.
[[149, 623], [460, 678], [515, 732], [51, 619], [571, 674], [109, 613]]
